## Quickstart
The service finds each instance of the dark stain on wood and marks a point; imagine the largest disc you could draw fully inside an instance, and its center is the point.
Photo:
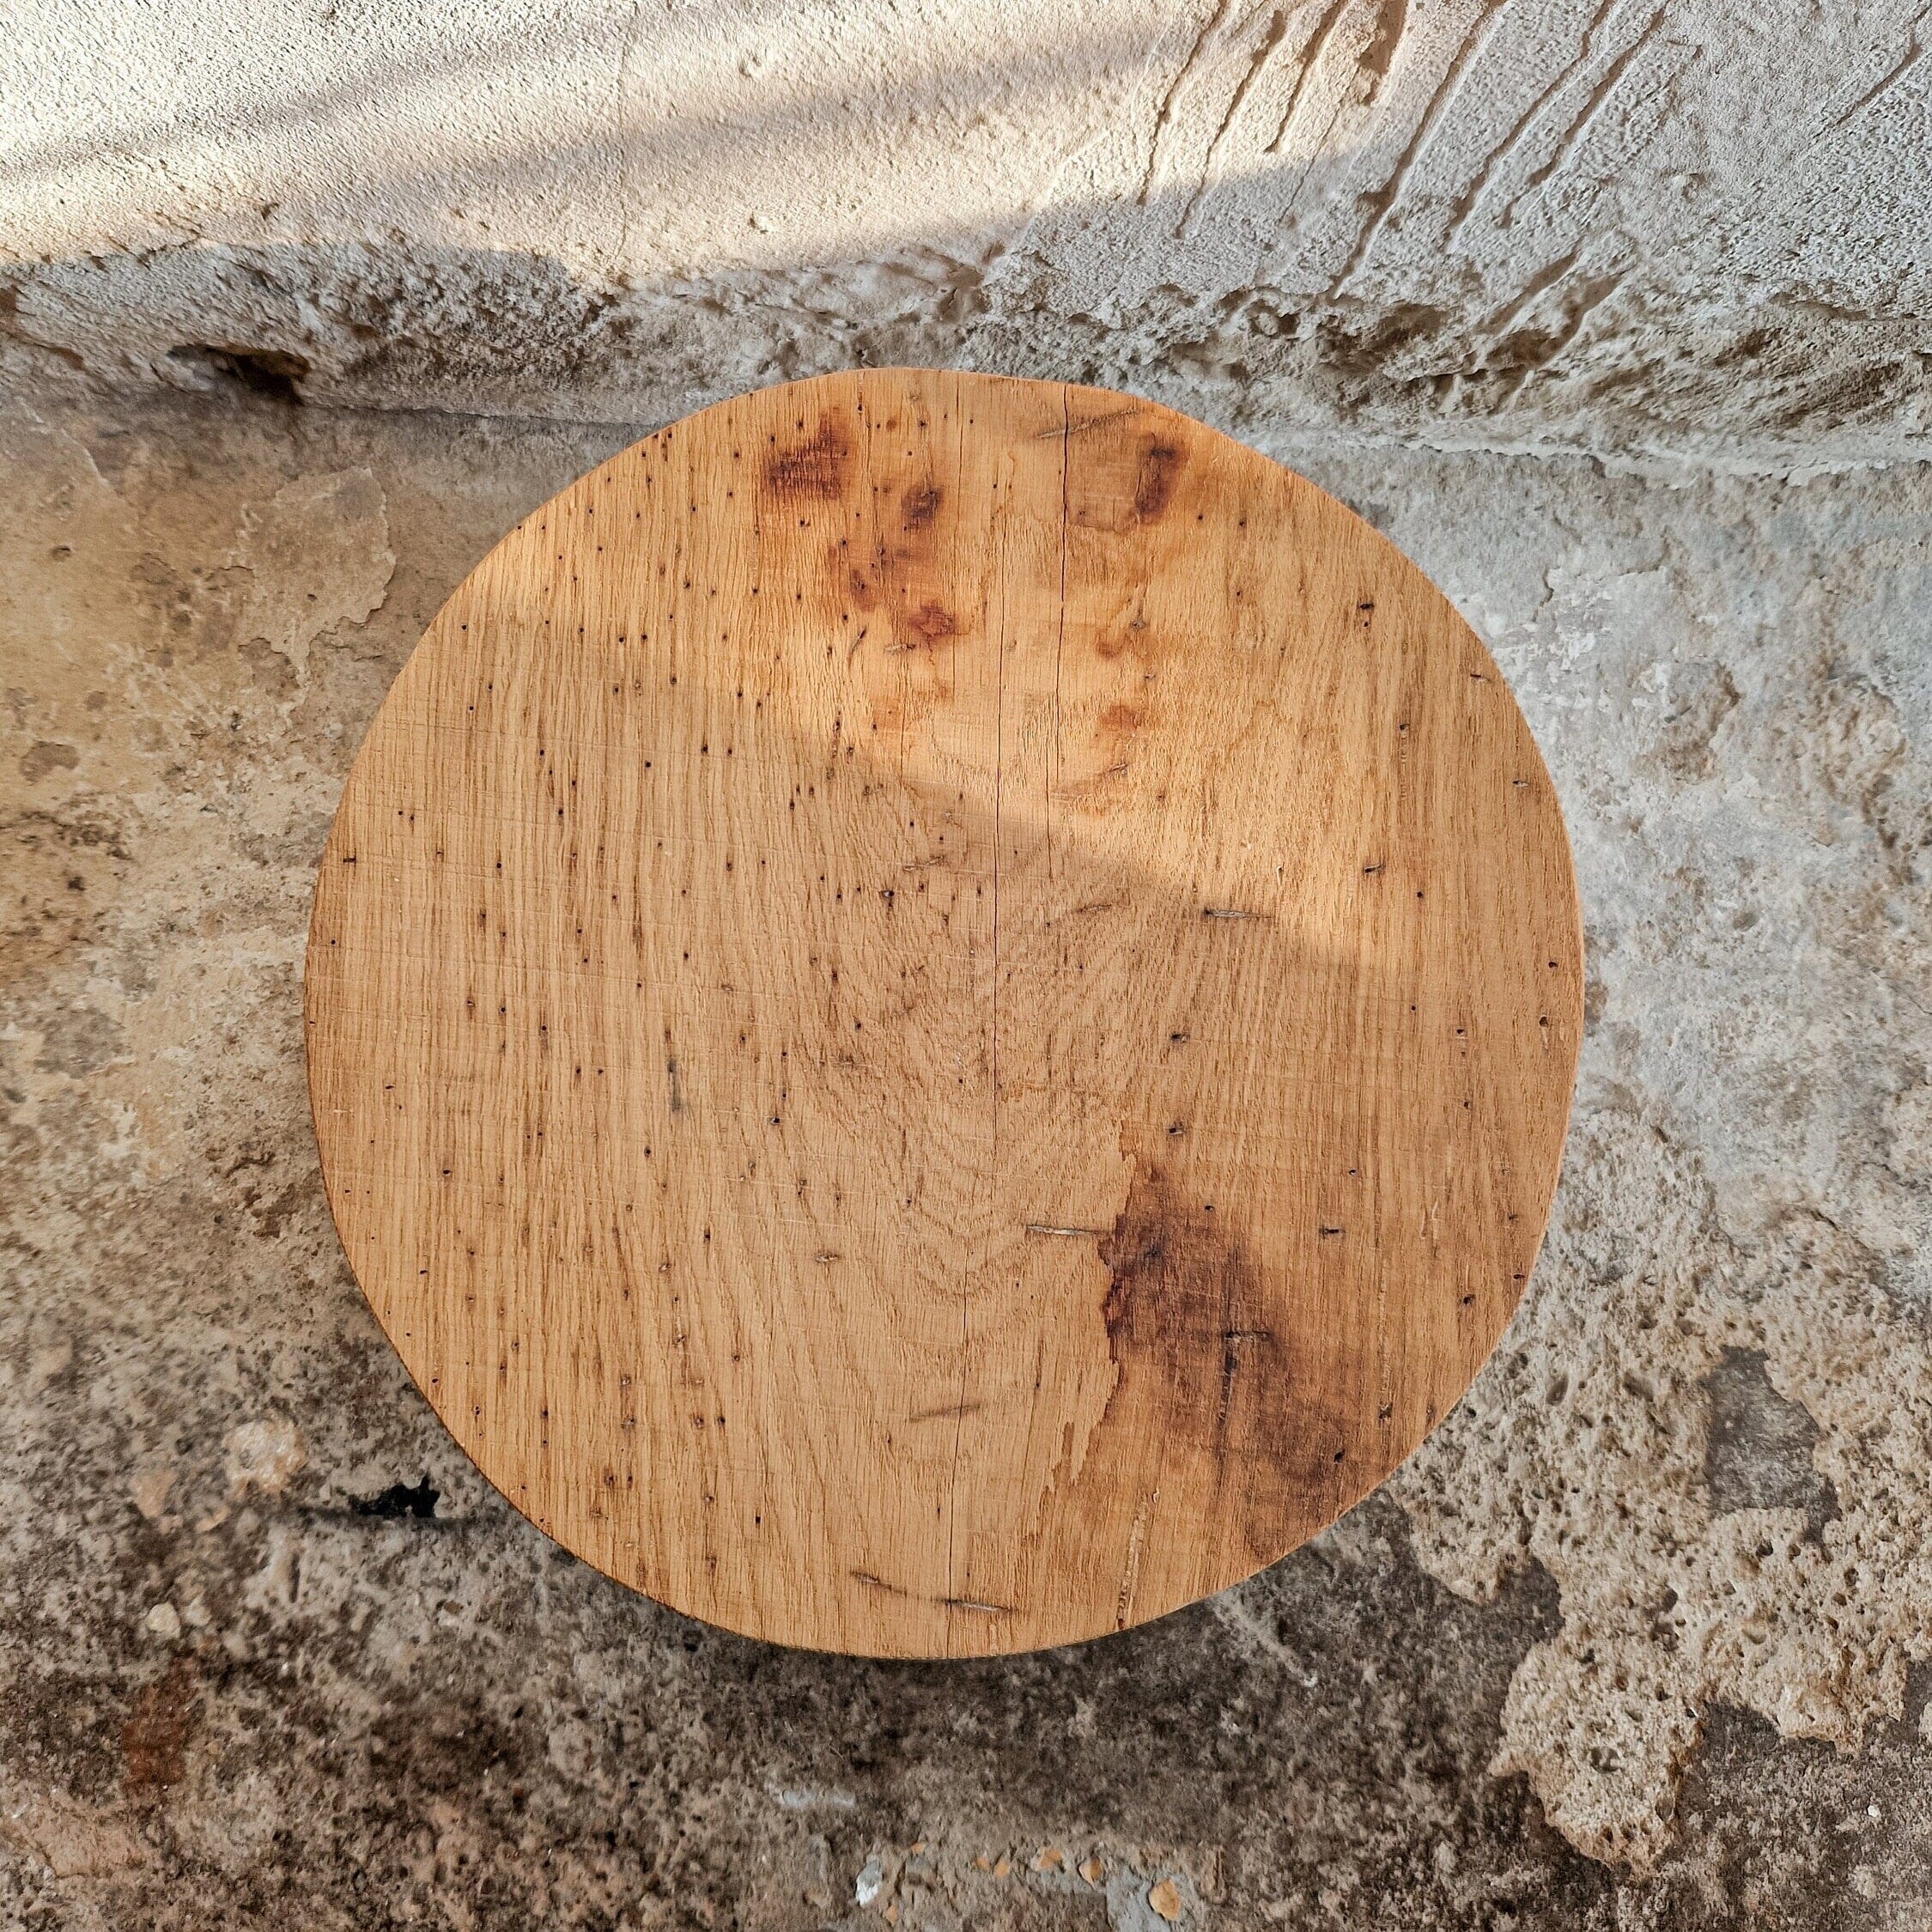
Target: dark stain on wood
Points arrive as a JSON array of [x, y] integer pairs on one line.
[[921, 506], [1183, 1300], [1160, 463], [816, 468], [932, 621], [1200, 1355]]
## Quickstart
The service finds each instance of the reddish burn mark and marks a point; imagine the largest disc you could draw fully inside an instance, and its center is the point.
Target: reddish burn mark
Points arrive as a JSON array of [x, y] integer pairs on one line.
[[1160, 463], [155, 1738], [932, 621], [1109, 647], [921, 505], [816, 467], [1120, 719], [863, 594], [1202, 1362]]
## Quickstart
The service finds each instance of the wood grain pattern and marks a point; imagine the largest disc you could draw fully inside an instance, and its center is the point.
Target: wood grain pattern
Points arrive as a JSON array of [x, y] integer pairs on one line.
[[941, 1012]]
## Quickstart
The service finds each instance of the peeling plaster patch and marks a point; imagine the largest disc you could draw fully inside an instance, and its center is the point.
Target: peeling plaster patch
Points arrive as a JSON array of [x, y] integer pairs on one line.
[[1583, 1449], [1710, 1420], [74, 1841], [41, 759], [1757, 1447], [318, 556]]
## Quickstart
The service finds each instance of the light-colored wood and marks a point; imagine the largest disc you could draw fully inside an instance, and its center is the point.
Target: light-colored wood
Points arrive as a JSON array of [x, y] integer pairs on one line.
[[941, 1012]]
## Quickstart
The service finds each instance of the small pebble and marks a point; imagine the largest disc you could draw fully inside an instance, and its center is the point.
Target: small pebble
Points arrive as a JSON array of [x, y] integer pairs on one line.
[[1165, 1898], [266, 1455], [149, 1489]]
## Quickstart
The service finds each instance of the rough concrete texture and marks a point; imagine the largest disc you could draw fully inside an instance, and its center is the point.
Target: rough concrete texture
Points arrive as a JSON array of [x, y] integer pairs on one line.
[[1640, 1640], [1615, 225]]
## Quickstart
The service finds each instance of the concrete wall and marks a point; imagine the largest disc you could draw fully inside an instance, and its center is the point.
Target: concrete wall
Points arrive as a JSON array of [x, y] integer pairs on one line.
[[1619, 225]]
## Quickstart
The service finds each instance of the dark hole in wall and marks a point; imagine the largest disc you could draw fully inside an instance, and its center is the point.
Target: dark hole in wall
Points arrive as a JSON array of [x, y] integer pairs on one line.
[[400, 1499], [1758, 1453], [273, 372]]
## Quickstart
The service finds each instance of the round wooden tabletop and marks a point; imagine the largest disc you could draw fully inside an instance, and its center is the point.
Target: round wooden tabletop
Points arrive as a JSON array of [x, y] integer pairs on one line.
[[941, 1012]]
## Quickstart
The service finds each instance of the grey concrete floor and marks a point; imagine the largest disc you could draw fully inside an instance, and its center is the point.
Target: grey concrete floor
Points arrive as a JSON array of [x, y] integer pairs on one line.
[[1641, 1638]]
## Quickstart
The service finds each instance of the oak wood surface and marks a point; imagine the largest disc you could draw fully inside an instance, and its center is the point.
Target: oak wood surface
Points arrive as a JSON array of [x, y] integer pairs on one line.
[[941, 1012]]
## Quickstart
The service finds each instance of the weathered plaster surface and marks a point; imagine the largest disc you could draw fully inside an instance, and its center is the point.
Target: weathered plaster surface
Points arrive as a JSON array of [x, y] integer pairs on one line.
[[1610, 312], [1643, 1638], [1617, 225]]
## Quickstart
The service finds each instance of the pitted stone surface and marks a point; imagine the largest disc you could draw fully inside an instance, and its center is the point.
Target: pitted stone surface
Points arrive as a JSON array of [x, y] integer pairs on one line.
[[1640, 1641]]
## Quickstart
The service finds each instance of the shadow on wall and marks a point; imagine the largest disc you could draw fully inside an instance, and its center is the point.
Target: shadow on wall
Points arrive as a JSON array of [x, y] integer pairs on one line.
[[492, 332]]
